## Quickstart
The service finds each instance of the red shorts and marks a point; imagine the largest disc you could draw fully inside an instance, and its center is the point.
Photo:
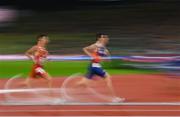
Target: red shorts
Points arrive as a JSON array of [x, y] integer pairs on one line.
[[37, 71]]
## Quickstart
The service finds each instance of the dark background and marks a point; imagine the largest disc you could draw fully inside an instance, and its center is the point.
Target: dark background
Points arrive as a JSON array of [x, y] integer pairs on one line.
[[134, 26], [64, 4]]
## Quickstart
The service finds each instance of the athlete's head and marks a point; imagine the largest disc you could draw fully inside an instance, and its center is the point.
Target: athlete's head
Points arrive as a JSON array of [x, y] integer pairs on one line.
[[102, 38], [43, 39]]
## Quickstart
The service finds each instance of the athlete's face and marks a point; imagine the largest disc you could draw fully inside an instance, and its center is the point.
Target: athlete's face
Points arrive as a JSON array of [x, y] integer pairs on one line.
[[44, 40], [104, 39]]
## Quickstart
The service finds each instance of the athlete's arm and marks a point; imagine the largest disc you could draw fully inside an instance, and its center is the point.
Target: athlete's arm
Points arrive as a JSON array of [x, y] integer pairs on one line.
[[107, 52], [88, 50], [29, 53]]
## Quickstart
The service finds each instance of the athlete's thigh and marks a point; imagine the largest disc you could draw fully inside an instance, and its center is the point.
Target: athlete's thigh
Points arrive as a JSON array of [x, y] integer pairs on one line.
[[46, 76], [42, 73], [90, 73], [100, 72]]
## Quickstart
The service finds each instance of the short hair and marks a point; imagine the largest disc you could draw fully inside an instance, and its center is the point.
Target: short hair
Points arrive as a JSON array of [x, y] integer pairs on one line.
[[41, 35], [99, 35]]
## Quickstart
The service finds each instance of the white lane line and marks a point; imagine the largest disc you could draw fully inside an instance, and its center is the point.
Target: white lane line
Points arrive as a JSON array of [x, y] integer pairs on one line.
[[90, 103], [94, 110]]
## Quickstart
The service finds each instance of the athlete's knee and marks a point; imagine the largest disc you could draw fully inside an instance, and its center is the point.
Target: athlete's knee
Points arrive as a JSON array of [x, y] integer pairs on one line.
[[28, 80], [82, 85], [83, 82], [49, 79], [107, 76], [108, 79], [47, 76]]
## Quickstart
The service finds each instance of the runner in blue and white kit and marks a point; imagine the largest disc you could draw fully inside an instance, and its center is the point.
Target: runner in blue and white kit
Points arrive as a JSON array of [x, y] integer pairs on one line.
[[96, 51]]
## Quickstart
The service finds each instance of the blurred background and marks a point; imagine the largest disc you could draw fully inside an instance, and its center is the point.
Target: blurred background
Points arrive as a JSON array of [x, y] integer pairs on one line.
[[143, 34], [135, 27], [144, 42]]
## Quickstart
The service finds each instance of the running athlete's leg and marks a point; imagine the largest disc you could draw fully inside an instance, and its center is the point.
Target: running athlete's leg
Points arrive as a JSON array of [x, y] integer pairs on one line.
[[28, 82], [32, 75], [83, 82], [108, 81], [87, 78], [48, 78], [111, 88], [41, 72], [102, 73]]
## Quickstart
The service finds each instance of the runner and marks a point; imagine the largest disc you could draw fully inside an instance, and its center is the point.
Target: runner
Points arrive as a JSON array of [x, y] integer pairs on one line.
[[38, 54], [96, 51]]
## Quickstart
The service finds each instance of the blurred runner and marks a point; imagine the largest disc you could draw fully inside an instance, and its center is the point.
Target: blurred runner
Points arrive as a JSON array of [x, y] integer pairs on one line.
[[96, 51], [38, 55]]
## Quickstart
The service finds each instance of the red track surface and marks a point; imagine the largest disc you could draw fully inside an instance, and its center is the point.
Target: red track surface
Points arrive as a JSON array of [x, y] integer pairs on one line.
[[135, 88]]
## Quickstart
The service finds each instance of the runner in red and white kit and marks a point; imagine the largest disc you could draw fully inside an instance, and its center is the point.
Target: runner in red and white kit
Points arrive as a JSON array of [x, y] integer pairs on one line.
[[38, 54]]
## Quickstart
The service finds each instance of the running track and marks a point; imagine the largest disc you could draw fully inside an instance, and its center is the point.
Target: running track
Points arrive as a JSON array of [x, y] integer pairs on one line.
[[135, 88]]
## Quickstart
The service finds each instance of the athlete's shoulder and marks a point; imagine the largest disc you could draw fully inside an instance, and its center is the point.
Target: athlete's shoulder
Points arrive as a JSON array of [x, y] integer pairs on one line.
[[32, 49], [98, 44], [35, 46], [91, 46], [39, 47]]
